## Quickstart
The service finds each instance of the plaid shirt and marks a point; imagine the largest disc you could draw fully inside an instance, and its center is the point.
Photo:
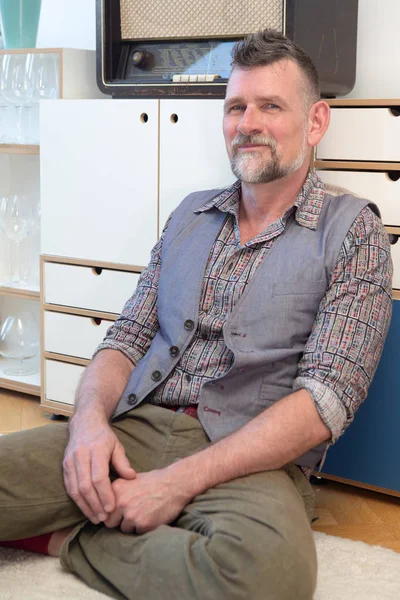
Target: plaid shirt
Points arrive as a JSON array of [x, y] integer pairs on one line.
[[343, 350]]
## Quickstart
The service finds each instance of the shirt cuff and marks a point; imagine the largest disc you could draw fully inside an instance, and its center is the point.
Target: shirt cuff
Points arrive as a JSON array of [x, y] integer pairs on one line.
[[329, 407], [130, 352]]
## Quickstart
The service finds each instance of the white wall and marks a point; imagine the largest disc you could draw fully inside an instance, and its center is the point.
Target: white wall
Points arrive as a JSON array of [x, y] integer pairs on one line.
[[378, 50], [67, 24]]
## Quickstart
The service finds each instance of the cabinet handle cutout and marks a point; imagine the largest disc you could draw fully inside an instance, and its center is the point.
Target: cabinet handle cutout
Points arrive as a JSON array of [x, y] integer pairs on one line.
[[393, 239], [395, 111], [393, 175], [95, 321], [144, 117], [174, 118], [97, 270]]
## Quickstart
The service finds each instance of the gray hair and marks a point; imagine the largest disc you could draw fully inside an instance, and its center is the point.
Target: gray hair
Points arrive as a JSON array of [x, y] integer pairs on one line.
[[270, 46]]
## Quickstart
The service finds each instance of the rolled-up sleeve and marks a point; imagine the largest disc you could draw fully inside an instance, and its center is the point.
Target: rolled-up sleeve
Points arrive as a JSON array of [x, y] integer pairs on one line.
[[346, 342], [134, 330]]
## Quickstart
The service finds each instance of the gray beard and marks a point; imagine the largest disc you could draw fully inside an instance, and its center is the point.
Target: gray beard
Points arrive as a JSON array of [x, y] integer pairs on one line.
[[251, 168]]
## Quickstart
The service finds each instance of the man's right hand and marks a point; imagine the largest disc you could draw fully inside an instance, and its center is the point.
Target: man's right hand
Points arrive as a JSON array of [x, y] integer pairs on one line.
[[92, 448]]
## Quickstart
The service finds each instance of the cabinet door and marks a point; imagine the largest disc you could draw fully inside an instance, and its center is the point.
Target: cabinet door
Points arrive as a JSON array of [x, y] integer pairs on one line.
[[192, 151], [99, 178]]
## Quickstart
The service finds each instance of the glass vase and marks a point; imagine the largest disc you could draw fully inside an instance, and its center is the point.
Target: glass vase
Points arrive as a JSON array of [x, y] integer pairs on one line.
[[19, 341], [19, 20]]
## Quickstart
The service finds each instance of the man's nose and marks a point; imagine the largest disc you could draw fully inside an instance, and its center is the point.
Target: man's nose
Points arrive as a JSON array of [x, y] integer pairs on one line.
[[250, 123]]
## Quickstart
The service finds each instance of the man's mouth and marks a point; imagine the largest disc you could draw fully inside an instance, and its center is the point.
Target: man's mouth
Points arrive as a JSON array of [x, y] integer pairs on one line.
[[247, 147]]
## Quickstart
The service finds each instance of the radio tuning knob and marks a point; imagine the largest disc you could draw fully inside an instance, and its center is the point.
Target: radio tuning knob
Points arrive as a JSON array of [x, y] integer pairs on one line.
[[143, 60], [137, 57]]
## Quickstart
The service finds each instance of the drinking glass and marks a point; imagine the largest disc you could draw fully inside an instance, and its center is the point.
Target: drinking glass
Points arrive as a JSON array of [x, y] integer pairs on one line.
[[19, 340], [45, 73], [29, 253], [45, 83], [18, 86], [17, 219], [3, 104]]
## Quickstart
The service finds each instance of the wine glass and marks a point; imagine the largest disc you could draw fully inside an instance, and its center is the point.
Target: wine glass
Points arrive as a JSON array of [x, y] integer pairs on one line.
[[18, 85], [16, 219], [45, 74], [30, 251], [19, 340], [3, 103], [45, 80]]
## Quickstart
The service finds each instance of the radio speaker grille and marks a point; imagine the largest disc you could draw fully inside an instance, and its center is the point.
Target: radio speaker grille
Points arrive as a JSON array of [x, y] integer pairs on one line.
[[185, 19]]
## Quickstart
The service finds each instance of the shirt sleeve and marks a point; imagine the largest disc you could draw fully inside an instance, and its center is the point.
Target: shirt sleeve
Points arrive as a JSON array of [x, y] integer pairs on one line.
[[134, 330], [346, 342]]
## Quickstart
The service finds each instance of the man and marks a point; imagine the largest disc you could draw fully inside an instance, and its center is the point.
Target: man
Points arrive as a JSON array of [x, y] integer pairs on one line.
[[248, 345]]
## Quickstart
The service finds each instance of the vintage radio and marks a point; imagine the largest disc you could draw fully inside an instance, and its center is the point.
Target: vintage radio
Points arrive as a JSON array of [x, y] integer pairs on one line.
[[180, 48]]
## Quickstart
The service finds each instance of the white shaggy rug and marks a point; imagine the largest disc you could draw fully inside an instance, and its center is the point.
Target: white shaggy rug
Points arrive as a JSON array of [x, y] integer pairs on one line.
[[347, 571]]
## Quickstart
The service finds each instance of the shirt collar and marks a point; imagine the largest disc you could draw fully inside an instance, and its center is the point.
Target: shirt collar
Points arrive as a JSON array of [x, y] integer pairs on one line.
[[308, 204]]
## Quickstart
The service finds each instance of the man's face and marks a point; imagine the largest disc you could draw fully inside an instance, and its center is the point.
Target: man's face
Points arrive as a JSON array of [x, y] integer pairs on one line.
[[265, 122]]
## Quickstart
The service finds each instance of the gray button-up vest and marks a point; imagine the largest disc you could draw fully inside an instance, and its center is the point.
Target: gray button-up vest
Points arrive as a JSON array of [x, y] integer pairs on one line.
[[269, 326]]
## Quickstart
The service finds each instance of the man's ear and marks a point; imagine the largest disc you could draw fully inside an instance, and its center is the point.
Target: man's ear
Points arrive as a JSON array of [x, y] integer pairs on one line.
[[318, 121]]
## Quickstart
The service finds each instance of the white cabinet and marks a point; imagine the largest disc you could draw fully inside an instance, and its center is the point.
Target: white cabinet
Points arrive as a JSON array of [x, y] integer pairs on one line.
[[111, 173]]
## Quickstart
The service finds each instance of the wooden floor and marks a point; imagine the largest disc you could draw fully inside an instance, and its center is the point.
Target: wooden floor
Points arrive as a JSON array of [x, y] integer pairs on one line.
[[342, 510]]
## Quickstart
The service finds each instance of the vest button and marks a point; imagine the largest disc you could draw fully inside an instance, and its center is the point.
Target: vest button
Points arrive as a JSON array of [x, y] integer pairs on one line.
[[131, 399], [188, 325], [156, 375], [174, 351]]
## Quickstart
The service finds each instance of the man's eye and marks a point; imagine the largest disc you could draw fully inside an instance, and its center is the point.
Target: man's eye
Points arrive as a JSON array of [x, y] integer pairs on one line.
[[237, 107], [271, 105]]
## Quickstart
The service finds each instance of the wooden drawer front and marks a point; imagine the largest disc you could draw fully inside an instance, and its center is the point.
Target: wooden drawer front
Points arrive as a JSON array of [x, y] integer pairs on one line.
[[82, 287], [73, 335], [376, 187], [361, 134], [396, 264], [61, 381]]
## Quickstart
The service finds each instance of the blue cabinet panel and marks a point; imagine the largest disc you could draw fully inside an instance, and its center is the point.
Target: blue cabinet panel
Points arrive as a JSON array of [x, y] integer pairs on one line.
[[369, 451]]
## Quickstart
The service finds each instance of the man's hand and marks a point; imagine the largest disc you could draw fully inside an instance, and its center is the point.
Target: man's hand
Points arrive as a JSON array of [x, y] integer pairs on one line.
[[90, 451], [151, 499]]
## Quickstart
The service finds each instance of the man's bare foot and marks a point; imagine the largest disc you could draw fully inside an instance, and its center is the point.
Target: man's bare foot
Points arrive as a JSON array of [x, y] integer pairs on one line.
[[57, 540]]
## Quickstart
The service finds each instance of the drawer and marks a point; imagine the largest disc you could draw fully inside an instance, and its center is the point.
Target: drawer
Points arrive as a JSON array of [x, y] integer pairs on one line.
[[83, 287], [395, 248], [377, 187], [61, 381], [361, 134], [73, 335]]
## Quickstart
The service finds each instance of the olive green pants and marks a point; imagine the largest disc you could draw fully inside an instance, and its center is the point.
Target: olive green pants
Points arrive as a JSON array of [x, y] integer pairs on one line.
[[247, 539]]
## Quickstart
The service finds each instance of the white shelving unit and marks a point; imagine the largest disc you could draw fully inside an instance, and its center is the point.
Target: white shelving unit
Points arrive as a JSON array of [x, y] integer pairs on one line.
[[20, 174]]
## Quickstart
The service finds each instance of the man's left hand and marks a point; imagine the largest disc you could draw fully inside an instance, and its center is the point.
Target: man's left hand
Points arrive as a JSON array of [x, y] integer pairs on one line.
[[152, 499]]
